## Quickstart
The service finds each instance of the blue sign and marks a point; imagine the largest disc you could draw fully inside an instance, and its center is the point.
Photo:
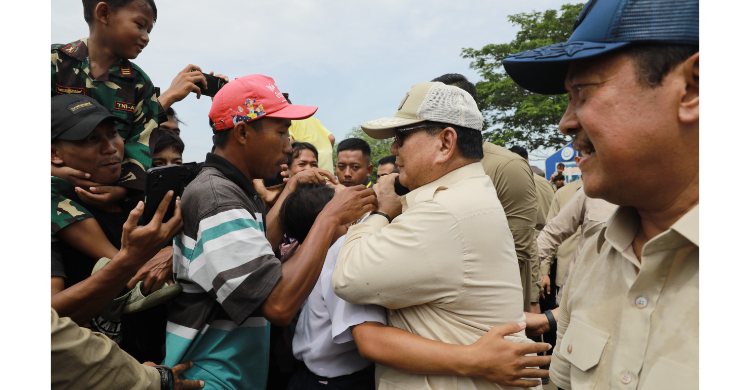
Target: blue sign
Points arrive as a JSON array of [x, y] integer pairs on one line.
[[566, 156]]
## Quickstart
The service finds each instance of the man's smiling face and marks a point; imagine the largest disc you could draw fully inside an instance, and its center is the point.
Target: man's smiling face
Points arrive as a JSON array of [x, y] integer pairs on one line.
[[623, 129]]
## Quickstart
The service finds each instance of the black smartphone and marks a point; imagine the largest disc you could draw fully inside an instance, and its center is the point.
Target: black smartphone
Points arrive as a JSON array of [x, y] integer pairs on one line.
[[400, 189], [159, 181], [214, 85]]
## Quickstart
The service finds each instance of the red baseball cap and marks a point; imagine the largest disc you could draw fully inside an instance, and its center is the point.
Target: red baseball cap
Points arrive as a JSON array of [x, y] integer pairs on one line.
[[253, 97]]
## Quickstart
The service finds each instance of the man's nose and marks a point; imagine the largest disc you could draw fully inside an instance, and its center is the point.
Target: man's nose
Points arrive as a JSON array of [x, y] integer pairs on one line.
[[569, 124], [286, 148], [394, 147]]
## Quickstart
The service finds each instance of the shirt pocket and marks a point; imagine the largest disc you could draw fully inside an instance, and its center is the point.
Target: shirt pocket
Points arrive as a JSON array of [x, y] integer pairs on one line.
[[667, 374], [583, 346]]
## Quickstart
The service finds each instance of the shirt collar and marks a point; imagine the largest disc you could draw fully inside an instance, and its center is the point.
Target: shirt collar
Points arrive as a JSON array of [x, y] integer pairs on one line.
[[427, 191], [231, 172], [687, 226], [80, 51], [620, 229]]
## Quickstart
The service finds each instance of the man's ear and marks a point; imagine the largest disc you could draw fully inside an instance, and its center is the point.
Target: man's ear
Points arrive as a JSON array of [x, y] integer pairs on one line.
[[448, 138], [102, 13], [369, 170], [688, 112], [57, 155], [240, 132]]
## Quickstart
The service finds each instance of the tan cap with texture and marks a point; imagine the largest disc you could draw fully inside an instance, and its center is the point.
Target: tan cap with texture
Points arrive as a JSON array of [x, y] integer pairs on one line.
[[433, 101]]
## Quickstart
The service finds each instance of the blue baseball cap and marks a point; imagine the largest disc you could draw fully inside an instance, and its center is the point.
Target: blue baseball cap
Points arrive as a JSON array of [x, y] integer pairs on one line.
[[604, 26]]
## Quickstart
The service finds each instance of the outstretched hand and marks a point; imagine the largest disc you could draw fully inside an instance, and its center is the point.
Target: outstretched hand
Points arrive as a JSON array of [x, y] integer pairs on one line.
[[351, 203], [183, 84], [141, 243], [505, 362]]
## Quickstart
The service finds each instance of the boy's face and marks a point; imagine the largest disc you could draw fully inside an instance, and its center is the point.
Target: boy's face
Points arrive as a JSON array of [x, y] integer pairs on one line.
[[99, 154], [352, 168], [168, 156], [129, 27], [306, 160]]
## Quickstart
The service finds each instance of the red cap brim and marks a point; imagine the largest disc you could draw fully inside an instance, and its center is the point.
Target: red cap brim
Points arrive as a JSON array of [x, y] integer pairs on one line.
[[294, 111]]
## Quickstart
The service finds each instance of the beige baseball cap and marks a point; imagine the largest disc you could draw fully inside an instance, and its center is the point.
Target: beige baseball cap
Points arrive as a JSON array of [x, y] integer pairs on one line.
[[432, 101]]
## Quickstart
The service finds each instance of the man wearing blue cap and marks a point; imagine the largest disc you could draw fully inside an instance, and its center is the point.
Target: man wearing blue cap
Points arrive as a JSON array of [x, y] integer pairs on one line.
[[629, 316]]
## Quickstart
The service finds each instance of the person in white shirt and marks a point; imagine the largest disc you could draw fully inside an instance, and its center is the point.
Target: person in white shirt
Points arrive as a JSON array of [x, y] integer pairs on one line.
[[323, 339]]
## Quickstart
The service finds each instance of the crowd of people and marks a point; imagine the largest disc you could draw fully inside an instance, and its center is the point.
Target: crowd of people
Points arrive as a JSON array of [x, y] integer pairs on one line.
[[458, 268]]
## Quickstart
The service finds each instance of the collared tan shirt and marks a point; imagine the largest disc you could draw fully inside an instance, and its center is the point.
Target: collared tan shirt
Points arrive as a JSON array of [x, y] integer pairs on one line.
[[564, 252], [446, 268], [582, 211], [514, 185], [625, 324], [82, 359]]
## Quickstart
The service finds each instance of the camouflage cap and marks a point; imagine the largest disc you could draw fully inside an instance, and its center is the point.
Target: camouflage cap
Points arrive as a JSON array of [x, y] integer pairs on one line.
[[74, 117]]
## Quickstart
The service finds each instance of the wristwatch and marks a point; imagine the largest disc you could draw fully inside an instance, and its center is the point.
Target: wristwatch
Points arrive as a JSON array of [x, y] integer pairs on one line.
[[167, 378]]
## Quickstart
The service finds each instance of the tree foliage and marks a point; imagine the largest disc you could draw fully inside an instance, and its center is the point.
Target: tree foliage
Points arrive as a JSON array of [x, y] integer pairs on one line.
[[512, 114], [379, 148]]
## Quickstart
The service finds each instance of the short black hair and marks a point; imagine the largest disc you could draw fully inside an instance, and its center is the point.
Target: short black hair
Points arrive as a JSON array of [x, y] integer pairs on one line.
[[301, 208], [387, 160], [171, 112], [557, 177], [460, 81], [90, 5], [298, 147], [560, 165], [653, 60], [355, 144], [220, 137], [468, 141], [520, 150], [167, 139]]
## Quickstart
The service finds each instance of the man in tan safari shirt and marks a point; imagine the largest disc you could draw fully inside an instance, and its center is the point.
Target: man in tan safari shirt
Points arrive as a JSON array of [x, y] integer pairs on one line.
[[628, 318]]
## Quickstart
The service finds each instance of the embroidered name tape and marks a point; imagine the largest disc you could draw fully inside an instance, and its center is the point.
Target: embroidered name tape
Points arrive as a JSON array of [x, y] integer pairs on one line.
[[64, 90], [123, 106], [78, 107]]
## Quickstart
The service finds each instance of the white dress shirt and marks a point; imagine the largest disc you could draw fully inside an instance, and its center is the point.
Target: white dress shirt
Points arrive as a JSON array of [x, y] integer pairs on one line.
[[323, 337]]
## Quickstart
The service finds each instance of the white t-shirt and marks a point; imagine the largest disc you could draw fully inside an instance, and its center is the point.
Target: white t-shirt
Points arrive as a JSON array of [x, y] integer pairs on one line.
[[323, 337]]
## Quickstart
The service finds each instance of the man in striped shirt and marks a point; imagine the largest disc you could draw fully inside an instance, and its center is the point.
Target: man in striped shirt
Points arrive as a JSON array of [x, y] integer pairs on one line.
[[233, 284]]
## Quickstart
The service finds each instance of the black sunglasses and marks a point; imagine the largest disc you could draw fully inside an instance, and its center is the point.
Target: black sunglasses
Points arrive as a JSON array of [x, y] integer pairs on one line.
[[398, 133]]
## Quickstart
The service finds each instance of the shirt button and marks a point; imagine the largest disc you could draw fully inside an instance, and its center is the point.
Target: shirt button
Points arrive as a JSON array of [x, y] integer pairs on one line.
[[570, 348], [641, 302], [625, 378]]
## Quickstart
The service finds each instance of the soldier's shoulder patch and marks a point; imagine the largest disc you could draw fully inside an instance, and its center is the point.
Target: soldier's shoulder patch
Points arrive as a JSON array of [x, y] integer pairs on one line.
[[126, 71], [124, 106], [70, 48], [62, 90]]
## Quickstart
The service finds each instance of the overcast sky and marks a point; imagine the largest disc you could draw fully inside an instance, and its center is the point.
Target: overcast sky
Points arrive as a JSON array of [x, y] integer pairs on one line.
[[354, 60]]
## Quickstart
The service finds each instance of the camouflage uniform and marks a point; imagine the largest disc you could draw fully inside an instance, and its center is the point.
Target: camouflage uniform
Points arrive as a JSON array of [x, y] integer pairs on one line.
[[64, 211], [129, 94]]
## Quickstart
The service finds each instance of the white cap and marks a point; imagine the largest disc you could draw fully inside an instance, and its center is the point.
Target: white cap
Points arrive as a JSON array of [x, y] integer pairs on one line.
[[433, 101]]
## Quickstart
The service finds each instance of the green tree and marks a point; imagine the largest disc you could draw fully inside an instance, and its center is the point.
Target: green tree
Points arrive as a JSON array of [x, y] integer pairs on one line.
[[379, 148], [512, 114]]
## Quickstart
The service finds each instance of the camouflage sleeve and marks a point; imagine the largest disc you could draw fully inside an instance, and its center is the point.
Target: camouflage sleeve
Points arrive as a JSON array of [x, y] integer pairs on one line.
[[64, 211], [55, 61], [137, 158]]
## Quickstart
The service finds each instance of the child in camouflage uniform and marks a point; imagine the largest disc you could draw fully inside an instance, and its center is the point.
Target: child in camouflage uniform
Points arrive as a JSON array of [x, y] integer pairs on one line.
[[99, 66]]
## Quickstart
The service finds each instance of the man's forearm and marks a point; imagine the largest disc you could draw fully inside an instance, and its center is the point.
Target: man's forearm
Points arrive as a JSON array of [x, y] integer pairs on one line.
[[404, 351], [300, 273], [95, 245], [84, 300]]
